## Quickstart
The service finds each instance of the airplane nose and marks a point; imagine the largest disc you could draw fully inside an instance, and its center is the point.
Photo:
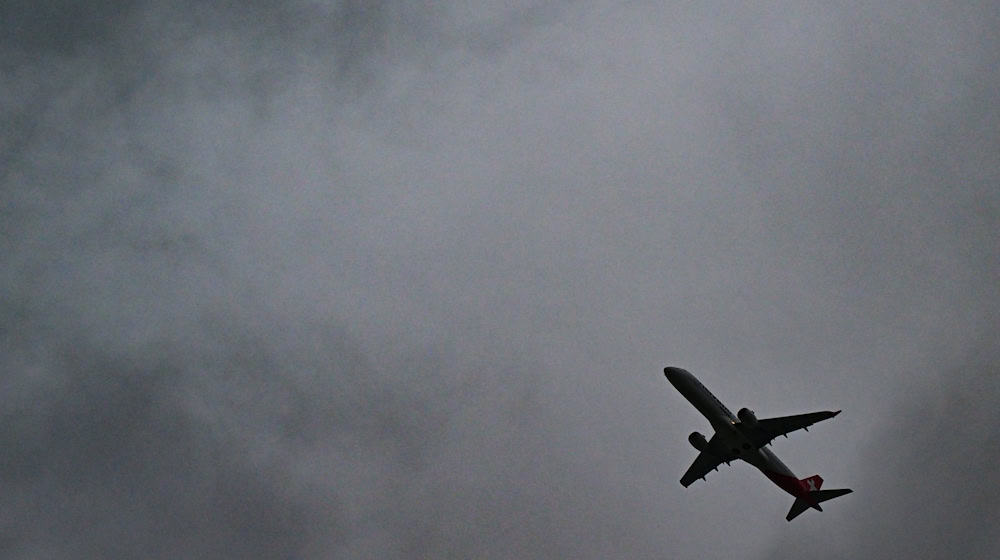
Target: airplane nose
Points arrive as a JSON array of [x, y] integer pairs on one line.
[[672, 372]]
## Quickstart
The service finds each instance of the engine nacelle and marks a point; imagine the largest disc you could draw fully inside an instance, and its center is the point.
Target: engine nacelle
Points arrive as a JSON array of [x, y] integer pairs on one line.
[[747, 416], [698, 441]]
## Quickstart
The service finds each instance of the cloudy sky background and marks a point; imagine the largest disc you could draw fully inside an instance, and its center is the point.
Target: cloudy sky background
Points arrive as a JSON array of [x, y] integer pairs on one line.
[[384, 280]]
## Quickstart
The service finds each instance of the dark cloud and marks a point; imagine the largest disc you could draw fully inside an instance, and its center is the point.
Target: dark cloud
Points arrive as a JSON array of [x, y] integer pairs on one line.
[[53, 26], [192, 445], [373, 279]]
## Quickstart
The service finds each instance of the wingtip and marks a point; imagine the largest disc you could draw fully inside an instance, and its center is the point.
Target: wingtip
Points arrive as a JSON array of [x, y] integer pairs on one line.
[[836, 412]]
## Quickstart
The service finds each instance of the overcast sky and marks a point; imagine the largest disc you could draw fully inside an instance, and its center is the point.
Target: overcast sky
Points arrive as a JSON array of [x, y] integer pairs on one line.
[[377, 279]]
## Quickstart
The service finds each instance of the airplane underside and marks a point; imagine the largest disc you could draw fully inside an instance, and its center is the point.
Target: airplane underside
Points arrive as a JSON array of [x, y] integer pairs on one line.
[[744, 437]]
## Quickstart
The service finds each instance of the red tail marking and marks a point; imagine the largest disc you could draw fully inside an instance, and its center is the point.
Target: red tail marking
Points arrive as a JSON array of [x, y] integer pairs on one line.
[[814, 482]]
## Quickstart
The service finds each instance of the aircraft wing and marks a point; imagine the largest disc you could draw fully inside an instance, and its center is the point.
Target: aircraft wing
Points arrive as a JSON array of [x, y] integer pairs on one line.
[[770, 428], [704, 463]]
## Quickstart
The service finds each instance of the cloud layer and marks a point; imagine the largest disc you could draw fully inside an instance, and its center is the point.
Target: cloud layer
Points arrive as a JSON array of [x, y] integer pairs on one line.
[[367, 279]]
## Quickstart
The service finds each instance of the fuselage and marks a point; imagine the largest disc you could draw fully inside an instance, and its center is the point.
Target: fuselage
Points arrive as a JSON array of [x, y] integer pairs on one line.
[[731, 438]]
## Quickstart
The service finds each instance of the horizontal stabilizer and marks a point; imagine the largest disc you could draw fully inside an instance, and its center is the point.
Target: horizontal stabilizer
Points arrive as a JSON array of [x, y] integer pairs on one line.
[[824, 495], [798, 507], [816, 496]]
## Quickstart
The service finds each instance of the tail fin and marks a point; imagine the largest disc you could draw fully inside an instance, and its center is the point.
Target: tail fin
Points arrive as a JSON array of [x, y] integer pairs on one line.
[[816, 496], [814, 482]]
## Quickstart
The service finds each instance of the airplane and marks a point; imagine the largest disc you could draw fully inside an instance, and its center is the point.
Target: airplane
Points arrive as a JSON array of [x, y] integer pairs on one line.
[[744, 437]]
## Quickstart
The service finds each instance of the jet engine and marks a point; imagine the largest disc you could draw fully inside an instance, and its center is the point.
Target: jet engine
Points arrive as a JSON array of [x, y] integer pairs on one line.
[[698, 441], [747, 416]]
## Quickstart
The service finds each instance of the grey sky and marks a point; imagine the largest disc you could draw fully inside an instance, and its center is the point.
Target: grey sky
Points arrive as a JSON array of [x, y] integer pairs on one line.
[[380, 280]]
